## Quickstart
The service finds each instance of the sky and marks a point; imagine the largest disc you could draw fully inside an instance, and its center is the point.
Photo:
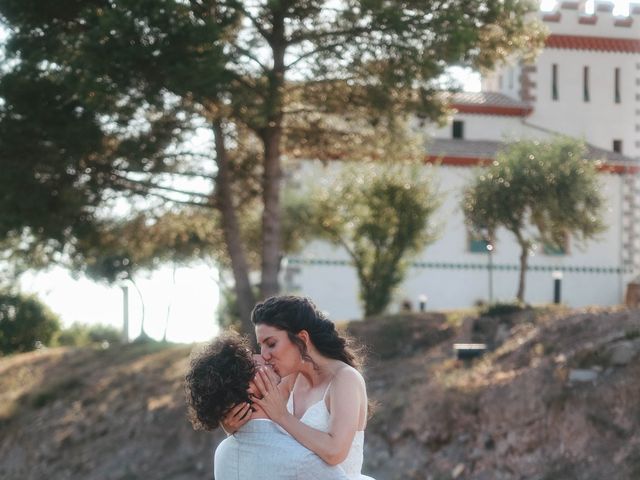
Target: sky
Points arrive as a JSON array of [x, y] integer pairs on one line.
[[189, 303]]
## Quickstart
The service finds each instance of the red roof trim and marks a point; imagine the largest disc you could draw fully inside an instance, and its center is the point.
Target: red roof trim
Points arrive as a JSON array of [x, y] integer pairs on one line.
[[588, 19], [459, 161], [552, 17], [623, 22], [602, 44], [485, 162], [604, 6], [569, 5], [492, 110]]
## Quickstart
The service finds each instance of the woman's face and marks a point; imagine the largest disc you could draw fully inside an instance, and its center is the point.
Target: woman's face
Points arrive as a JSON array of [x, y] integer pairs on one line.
[[277, 350]]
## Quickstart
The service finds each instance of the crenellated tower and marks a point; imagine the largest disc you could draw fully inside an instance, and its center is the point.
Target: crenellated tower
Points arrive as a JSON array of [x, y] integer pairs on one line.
[[586, 83]]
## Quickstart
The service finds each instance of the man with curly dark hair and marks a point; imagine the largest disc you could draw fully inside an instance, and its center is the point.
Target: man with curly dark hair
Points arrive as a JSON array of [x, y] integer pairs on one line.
[[217, 382]]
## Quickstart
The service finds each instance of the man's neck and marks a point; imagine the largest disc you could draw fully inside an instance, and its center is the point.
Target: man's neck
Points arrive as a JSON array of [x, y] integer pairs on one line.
[[258, 414]]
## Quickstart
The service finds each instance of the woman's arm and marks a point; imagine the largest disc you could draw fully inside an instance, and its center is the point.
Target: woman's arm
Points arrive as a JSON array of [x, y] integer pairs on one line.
[[345, 397]]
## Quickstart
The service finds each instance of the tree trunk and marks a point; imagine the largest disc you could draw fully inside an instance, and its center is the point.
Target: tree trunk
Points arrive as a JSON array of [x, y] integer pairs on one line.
[[143, 334], [231, 232], [271, 136], [271, 215], [524, 256]]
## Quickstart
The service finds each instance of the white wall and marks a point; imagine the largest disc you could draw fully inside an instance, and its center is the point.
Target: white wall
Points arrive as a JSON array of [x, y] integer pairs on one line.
[[600, 120], [462, 277], [489, 127]]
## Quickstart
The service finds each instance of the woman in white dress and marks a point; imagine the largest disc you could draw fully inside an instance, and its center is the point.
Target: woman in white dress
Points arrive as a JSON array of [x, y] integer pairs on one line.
[[322, 398]]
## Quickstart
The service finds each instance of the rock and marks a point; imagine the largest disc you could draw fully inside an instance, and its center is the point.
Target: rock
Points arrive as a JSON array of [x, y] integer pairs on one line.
[[581, 375], [457, 471], [621, 353], [502, 333], [476, 454]]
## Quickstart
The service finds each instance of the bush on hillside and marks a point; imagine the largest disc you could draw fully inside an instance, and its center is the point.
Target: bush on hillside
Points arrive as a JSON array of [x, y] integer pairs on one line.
[[506, 308], [80, 335], [25, 323]]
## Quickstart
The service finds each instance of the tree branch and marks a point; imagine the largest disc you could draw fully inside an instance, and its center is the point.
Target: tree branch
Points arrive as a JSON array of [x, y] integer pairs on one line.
[[143, 192], [255, 22], [250, 56], [145, 186], [308, 54]]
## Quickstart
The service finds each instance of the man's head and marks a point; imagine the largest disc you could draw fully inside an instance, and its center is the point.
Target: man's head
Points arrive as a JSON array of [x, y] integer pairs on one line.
[[218, 379]]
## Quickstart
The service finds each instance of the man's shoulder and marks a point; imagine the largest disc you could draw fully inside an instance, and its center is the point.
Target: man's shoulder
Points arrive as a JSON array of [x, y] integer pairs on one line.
[[268, 452], [226, 458]]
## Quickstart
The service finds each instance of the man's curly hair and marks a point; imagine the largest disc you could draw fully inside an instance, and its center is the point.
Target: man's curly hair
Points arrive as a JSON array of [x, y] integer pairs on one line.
[[218, 379]]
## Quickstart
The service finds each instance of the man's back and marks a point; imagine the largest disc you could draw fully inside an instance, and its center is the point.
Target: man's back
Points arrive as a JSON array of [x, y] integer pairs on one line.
[[261, 451]]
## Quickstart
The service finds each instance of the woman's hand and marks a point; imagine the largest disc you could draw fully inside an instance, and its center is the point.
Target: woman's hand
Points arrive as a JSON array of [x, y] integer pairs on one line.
[[270, 399], [236, 418]]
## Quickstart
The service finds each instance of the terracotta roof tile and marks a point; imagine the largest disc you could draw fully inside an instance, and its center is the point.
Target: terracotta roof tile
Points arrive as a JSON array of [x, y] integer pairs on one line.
[[603, 44], [488, 103], [487, 150]]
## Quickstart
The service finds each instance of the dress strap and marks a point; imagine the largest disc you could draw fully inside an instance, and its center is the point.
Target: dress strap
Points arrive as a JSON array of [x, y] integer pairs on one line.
[[326, 391], [290, 403]]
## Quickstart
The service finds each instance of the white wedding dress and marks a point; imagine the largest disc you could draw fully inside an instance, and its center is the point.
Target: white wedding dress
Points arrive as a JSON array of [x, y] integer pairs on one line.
[[317, 416]]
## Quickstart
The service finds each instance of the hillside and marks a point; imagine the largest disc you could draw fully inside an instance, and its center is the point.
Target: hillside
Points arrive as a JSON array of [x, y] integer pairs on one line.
[[557, 398]]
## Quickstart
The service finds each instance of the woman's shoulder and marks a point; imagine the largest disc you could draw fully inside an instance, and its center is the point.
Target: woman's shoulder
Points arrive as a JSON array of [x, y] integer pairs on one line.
[[346, 374]]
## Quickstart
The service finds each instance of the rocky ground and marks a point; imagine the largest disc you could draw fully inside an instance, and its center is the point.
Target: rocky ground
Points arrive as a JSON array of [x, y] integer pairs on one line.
[[557, 397]]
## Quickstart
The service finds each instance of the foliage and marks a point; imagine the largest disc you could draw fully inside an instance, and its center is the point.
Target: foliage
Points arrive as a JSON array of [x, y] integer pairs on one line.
[[540, 192], [25, 322], [100, 100], [121, 247], [228, 314], [502, 308], [380, 214], [80, 335]]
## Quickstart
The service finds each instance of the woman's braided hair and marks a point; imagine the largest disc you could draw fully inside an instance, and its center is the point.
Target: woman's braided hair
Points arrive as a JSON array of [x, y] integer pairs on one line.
[[294, 314]]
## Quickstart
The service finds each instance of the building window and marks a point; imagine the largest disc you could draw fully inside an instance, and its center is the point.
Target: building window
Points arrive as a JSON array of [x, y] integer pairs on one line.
[[617, 146], [478, 244], [458, 129], [585, 84], [554, 81], [549, 249], [616, 81], [511, 75], [552, 249], [500, 82]]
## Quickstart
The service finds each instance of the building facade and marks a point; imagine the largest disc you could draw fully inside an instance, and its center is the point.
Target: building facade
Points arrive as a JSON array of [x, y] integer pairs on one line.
[[585, 83]]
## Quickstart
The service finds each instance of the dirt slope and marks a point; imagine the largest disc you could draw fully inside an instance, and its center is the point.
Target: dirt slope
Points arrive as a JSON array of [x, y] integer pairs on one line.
[[558, 398]]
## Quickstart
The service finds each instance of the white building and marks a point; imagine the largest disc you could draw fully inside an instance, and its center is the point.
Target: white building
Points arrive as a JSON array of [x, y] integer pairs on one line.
[[586, 84]]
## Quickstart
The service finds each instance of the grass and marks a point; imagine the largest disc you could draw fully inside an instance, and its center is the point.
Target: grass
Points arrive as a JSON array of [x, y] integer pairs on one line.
[[632, 334], [49, 393], [457, 316]]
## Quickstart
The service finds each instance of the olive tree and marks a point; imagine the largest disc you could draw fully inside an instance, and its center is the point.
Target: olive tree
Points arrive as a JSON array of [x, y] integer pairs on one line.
[[381, 215], [541, 192]]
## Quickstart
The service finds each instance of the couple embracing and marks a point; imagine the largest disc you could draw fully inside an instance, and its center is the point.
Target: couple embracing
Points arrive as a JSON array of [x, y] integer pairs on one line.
[[296, 411]]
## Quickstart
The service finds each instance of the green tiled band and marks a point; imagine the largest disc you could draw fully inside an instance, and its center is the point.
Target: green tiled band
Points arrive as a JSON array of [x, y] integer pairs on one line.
[[475, 266]]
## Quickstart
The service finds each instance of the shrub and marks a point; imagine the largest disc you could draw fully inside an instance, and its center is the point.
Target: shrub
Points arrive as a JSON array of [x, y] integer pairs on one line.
[[25, 322], [80, 335], [496, 309]]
